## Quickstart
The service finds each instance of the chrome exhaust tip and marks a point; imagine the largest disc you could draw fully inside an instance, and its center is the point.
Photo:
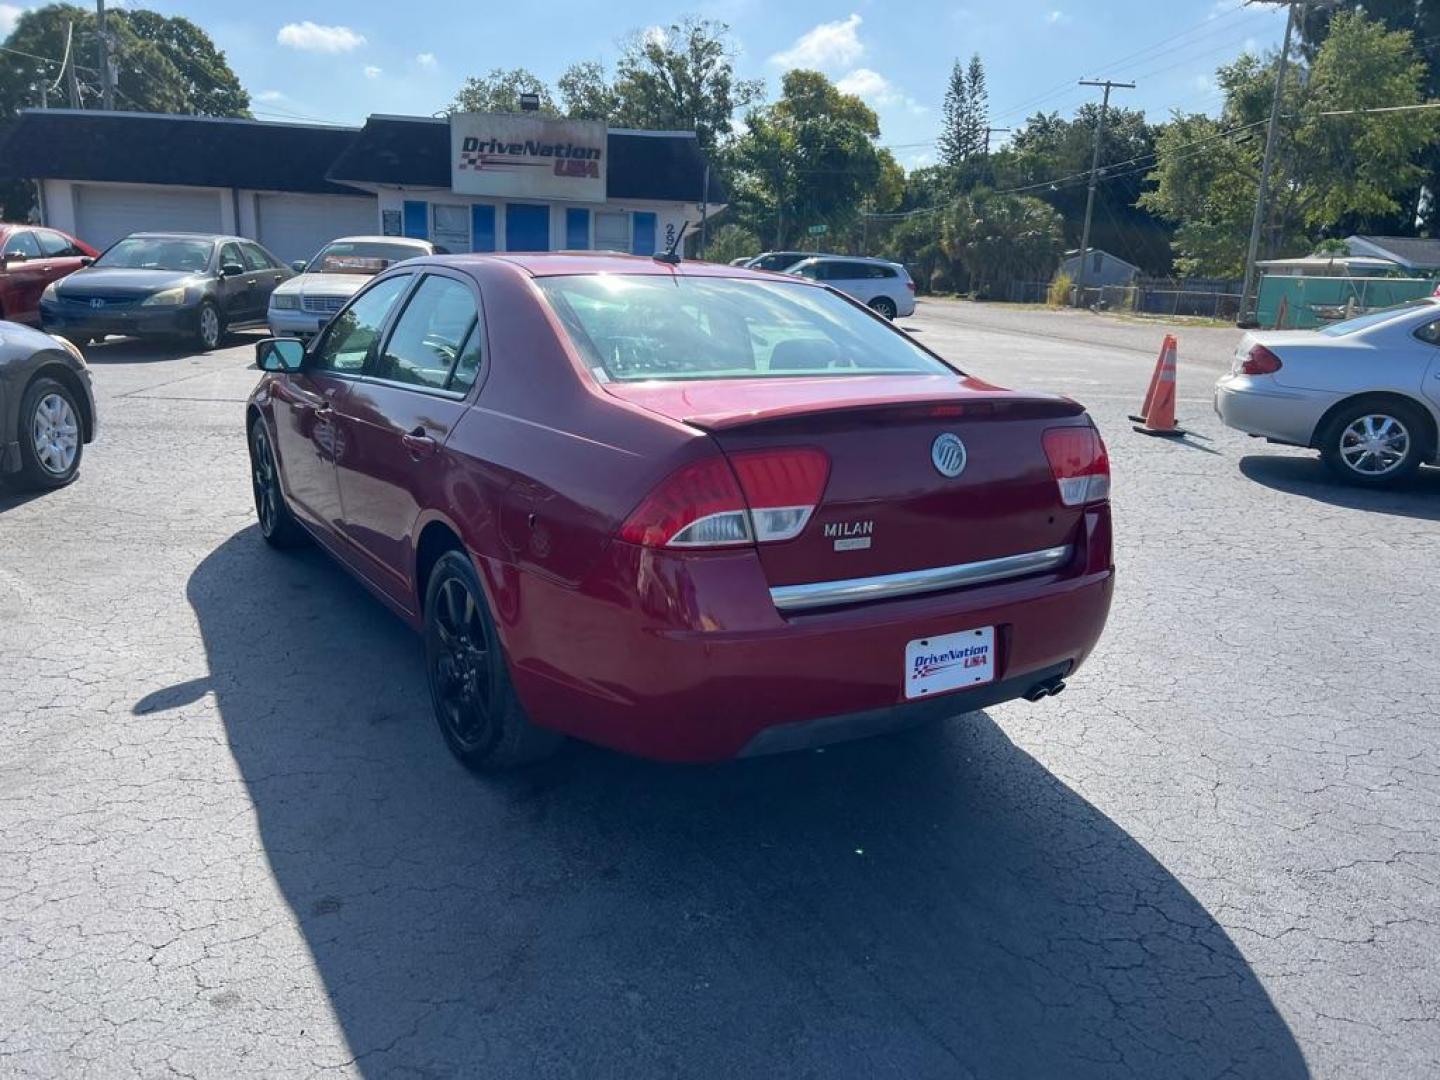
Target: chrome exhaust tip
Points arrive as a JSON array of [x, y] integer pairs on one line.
[[1044, 690]]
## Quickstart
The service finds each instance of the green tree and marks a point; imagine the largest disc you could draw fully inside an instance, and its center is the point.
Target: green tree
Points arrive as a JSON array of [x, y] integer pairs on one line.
[[997, 239], [731, 241], [500, 91], [1331, 173], [586, 93], [808, 159], [162, 64], [682, 77], [965, 114]]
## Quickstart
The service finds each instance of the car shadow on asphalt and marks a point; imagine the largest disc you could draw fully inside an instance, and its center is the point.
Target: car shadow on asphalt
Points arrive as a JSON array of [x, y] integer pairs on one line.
[[127, 350], [933, 904], [12, 497], [1419, 498]]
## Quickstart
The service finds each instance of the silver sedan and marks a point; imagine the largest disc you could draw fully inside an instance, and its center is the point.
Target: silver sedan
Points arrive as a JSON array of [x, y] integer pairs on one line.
[[1364, 392]]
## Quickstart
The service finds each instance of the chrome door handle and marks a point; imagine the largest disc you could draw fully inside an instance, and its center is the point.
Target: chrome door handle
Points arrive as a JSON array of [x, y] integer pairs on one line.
[[419, 444]]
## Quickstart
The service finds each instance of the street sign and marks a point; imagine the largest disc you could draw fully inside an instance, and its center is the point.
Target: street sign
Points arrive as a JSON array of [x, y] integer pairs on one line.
[[818, 230]]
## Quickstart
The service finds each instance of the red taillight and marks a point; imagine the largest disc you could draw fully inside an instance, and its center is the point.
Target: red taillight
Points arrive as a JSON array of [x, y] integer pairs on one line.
[[910, 284], [757, 495], [1260, 361], [1079, 463]]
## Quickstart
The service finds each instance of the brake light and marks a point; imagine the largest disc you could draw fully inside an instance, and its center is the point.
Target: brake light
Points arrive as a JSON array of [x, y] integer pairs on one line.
[[1079, 463], [910, 284], [759, 495], [1260, 361]]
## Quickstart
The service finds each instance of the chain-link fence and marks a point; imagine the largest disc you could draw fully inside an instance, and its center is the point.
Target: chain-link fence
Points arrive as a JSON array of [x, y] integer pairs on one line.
[[1162, 297]]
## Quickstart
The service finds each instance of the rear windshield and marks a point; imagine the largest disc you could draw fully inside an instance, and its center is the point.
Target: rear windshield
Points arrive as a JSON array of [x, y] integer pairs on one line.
[[636, 327], [366, 257], [1374, 318], [158, 253]]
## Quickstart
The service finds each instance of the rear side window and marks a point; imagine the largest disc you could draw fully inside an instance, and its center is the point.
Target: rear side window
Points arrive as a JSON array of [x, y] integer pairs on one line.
[[255, 259], [23, 243], [878, 271], [54, 245], [430, 336]]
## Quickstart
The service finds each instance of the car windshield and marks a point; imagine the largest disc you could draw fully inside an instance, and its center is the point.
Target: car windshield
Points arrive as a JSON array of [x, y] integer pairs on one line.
[[360, 257], [1375, 318], [158, 253], [636, 327]]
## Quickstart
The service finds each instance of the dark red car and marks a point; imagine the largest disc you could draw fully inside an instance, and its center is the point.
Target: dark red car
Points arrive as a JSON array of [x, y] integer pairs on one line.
[[692, 512], [31, 257]]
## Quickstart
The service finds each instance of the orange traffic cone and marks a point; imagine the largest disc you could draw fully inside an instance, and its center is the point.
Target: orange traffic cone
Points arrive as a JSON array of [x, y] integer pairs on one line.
[[1166, 345], [1160, 409]]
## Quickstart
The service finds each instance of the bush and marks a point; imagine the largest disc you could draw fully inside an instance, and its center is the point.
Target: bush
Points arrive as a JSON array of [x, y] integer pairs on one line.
[[1058, 295], [730, 242]]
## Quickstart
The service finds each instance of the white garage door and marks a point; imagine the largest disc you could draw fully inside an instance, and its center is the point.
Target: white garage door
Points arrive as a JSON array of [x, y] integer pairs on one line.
[[105, 214], [297, 226]]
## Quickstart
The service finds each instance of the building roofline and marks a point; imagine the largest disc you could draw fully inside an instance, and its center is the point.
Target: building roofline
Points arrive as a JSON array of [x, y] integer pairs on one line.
[[94, 113]]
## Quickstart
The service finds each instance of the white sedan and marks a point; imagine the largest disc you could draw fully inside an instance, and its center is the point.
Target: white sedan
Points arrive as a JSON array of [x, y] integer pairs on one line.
[[303, 305], [1364, 392]]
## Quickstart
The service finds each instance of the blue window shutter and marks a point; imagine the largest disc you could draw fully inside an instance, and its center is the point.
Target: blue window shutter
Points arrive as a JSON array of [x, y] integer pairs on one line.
[[417, 220], [643, 242], [577, 228], [482, 228], [527, 227]]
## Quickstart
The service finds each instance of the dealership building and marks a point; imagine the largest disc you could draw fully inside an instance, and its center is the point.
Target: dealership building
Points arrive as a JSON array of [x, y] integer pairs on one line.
[[468, 182]]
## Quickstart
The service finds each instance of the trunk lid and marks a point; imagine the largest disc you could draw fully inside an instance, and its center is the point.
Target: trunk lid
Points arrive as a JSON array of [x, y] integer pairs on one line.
[[887, 508]]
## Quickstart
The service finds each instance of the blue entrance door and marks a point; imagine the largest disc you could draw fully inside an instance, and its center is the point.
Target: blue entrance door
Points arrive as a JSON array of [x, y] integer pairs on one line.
[[527, 227]]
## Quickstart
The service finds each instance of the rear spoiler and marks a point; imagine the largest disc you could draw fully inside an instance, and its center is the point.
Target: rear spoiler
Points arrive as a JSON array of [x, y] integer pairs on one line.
[[998, 407]]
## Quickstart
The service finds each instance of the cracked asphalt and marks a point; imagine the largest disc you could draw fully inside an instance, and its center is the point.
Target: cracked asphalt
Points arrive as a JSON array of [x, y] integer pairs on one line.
[[232, 843]]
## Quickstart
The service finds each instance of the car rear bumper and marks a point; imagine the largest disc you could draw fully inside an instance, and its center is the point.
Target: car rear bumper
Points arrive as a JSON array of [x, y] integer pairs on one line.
[[1259, 406], [700, 665], [133, 322]]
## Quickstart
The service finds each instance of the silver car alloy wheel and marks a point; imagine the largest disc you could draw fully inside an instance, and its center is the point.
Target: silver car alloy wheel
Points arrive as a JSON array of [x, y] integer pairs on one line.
[[209, 326], [1374, 445], [55, 434]]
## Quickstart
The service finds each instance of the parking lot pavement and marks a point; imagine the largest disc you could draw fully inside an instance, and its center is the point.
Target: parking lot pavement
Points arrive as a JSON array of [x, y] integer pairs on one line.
[[232, 843]]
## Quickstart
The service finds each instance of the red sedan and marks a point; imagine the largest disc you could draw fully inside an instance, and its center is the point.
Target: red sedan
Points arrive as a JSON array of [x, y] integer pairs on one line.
[[31, 257], [689, 511]]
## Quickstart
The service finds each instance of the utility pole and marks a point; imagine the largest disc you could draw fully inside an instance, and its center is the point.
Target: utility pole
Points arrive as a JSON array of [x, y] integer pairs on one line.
[[102, 57], [988, 132], [1108, 84], [1262, 194], [67, 67]]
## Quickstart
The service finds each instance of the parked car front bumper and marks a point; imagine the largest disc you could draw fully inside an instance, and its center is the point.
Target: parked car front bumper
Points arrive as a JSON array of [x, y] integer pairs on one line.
[[289, 322], [76, 321]]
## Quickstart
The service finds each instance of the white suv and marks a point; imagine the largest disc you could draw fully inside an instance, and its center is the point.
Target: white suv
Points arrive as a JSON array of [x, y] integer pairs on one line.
[[885, 286]]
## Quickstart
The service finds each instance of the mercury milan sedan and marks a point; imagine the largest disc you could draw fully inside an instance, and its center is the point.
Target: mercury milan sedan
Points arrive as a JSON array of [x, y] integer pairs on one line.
[[685, 510], [1364, 392], [303, 305]]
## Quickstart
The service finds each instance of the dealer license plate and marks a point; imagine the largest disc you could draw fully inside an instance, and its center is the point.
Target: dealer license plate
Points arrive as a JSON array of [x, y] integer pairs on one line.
[[934, 665]]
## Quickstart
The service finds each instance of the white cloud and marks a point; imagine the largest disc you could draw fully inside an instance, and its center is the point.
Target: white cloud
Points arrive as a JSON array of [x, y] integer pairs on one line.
[[426, 60], [1057, 17], [654, 35], [9, 16], [873, 87], [270, 95], [827, 46], [312, 37], [372, 72]]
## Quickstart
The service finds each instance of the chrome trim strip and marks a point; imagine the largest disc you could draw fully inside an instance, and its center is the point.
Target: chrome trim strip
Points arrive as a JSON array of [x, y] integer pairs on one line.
[[912, 582]]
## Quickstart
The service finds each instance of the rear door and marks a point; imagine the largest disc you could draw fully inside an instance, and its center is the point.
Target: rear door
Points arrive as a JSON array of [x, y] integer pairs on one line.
[[27, 272], [398, 419], [264, 272]]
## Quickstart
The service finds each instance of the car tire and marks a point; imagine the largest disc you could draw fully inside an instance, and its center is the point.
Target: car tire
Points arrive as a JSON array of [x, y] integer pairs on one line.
[[1375, 443], [474, 698], [883, 305], [51, 435], [277, 525], [209, 326]]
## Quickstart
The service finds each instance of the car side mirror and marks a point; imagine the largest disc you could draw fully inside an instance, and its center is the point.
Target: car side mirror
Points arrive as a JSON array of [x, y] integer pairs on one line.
[[231, 270], [279, 354], [87, 260], [298, 266]]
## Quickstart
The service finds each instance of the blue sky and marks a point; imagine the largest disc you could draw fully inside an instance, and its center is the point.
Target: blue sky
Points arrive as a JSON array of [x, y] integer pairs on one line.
[[339, 60]]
